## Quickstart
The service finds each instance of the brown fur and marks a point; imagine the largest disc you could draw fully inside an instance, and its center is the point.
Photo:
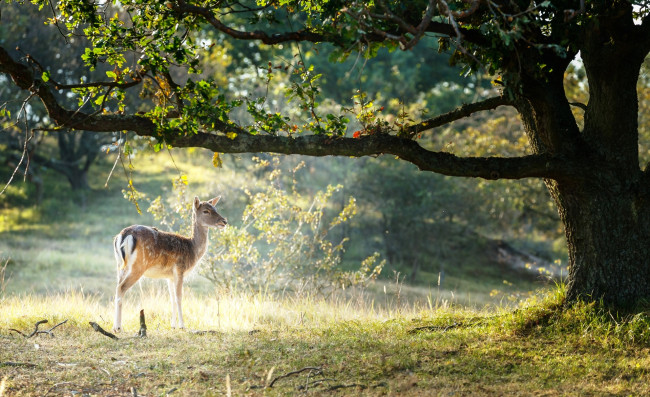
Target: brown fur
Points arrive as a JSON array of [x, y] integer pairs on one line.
[[163, 249]]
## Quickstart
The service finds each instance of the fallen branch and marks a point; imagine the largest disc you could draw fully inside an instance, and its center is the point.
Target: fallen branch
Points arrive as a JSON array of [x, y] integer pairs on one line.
[[441, 328], [318, 382], [338, 387], [207, 332], [49, 331], [15, 364], [37, 331], [142, 333], [312, 370], [101, 330], [38, 323]]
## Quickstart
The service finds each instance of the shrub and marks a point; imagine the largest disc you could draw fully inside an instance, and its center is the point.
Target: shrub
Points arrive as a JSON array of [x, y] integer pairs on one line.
[[284, 242]]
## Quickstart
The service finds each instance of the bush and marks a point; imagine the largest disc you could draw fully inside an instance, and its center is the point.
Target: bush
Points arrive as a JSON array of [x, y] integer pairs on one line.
[[284, 242]]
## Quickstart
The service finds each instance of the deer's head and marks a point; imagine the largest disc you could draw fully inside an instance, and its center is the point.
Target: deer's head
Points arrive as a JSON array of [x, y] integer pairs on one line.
[[207, 215]]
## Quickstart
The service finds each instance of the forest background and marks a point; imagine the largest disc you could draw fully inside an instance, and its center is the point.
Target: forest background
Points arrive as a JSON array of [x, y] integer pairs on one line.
[[465, 236]]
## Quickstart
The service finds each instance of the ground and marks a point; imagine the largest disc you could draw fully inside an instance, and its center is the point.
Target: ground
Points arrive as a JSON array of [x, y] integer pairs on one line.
[[263, 346]]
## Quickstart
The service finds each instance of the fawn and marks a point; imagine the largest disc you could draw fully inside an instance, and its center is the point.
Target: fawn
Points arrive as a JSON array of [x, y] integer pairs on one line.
[[146, 251]]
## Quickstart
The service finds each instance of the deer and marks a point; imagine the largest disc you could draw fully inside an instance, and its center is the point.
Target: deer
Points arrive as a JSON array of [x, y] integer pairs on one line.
[[146, 251]]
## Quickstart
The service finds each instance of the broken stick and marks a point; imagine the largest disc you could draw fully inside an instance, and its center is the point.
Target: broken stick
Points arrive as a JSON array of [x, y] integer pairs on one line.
[[143, 326], [101, 330], [37, 331], [312, 371]]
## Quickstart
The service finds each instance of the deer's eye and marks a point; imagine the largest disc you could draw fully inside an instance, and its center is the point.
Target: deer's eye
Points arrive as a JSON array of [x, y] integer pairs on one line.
[[206, 212]]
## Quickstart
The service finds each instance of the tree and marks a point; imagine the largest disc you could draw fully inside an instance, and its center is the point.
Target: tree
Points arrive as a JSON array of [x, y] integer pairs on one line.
[[592, 173], [76, 152]]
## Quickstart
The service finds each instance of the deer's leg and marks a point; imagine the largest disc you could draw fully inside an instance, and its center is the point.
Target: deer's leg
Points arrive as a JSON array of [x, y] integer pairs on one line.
[[117, 322], [128, 277], [172, 298], [178, 284]]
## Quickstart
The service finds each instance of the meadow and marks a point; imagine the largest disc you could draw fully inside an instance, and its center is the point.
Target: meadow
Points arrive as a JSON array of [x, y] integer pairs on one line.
[[388, 339], [260, 345]]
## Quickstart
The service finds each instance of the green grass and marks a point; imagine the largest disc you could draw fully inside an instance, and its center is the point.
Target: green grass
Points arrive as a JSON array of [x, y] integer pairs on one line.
[[359, 349]]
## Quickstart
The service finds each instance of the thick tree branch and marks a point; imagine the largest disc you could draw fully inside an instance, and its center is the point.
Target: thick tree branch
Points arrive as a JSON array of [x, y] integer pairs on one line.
[[456, 114], [544, 166], [404, 27], [469, 35]]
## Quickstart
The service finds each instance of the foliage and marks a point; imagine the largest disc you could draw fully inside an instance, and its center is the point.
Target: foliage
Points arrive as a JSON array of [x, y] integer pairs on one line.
[[285, 241]]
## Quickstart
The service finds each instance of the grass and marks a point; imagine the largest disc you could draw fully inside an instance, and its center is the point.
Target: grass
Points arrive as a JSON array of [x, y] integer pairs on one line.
[[355, 347]]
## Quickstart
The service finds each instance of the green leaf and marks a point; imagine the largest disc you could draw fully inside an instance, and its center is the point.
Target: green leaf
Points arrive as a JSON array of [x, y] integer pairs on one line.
[[45, 76]]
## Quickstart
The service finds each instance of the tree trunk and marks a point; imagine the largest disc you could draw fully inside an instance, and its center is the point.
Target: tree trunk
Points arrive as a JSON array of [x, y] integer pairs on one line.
[[602, 197], [607, 231], [77, 177], [605, 211], [77, 152]]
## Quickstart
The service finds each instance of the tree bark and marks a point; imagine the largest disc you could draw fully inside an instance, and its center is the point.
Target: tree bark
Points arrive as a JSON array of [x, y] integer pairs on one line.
[[607, 232]]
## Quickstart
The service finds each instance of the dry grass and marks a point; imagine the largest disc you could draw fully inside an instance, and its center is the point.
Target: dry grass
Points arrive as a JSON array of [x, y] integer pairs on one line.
[[353, 348]]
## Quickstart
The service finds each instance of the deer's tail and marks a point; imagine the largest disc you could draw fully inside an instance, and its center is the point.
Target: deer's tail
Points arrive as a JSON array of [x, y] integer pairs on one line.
[[123, 247]]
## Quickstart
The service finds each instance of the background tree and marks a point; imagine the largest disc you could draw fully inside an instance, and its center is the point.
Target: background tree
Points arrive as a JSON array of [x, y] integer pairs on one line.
[[75, 152], [591, 170]]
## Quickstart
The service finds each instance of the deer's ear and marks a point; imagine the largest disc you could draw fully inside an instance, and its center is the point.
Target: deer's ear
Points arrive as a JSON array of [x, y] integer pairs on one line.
[[197, 202], [214, 201]]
